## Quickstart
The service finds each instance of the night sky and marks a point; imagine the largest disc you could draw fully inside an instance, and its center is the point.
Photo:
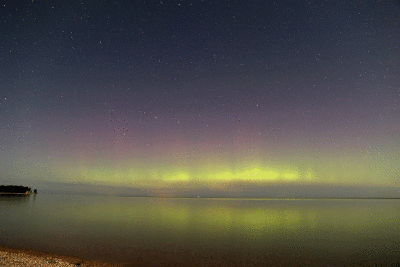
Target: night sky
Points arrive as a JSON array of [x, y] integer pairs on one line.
[[201, 96]]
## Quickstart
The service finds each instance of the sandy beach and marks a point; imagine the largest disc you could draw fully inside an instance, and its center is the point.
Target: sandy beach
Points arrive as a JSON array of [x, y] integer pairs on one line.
[[11, 257]]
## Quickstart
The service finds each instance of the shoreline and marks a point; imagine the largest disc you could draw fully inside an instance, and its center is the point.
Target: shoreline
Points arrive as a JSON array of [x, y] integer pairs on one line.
[[16, 194], [16, 257], [10, 256]]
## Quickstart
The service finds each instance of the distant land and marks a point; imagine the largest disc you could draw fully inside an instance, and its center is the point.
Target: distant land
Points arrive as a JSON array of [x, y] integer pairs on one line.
[[239, 191], [15, 190]]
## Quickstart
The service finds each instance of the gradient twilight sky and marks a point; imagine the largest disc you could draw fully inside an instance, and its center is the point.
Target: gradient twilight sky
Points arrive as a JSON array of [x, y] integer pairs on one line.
[[170, 96]]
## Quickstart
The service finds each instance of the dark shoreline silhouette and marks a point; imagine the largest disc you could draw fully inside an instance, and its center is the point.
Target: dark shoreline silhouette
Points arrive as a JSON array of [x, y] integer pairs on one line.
[[16, 190]]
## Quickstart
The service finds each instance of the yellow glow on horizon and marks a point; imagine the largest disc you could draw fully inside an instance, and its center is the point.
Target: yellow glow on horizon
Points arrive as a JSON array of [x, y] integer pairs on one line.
[[180, 177], [172, 177], [256, 175], [217, 175]]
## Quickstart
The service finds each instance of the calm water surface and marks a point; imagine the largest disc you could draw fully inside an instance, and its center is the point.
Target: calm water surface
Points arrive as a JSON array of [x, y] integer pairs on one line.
[[120, 229]]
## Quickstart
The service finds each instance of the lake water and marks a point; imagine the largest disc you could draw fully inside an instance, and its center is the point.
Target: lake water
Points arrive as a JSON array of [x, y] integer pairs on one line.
[[243, 232]]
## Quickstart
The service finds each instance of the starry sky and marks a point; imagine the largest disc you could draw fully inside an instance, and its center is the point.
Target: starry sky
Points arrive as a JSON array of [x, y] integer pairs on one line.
[[171, 97]]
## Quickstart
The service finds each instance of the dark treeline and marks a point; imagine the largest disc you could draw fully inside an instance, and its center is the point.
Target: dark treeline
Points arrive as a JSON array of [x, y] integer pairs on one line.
[[17, 189]]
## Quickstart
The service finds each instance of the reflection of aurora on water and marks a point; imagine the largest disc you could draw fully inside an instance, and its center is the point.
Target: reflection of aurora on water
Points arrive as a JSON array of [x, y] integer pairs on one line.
[[336, 228]]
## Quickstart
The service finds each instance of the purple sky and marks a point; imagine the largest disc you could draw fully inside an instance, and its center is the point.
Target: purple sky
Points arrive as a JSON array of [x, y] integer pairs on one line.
[[229, 97]]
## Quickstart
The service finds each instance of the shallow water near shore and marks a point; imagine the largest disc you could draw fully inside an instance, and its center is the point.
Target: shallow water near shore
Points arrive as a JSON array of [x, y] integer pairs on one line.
[[237, 231]]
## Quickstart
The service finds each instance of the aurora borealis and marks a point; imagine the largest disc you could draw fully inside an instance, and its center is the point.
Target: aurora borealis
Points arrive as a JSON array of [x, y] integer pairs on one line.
[[169, 96]]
